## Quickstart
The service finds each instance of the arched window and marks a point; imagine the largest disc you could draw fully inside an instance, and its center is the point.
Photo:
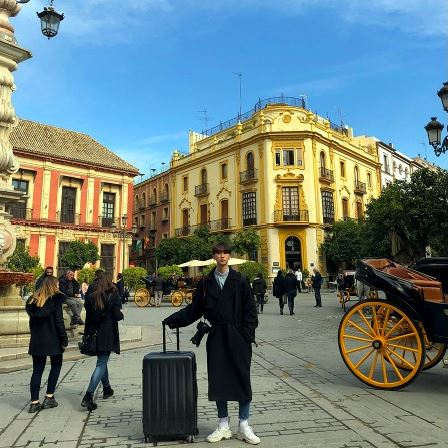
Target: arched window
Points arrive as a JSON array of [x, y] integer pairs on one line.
[[153, 199], [250, 161], [143, 204], [322, 160], [165, 194], [136, 202], [203, 176], [345, 213], [369, 180], [356, 176]]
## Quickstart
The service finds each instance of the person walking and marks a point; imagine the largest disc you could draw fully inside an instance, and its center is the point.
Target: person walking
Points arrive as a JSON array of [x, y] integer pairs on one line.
[[158, 284], [299, 277], [259, 288], [120, 288], [317, 283], [291, 290], [103, 311], [279, 289], [70, 288], [225, 299], [48, 338]]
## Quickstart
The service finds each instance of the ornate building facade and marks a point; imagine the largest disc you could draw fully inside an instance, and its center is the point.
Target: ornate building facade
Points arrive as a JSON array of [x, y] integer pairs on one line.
[[75, 189], [280, 169]]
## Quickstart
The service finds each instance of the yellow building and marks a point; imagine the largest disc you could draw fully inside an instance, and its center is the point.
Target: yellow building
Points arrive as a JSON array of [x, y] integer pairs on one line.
[[280, 169]]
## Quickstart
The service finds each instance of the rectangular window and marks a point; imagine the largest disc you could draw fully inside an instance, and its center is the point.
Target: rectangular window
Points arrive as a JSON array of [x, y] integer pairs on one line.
[[165, 213], [277, 158], [249, 209], [18, 209], [185, 183], [68, 205], [107, 261], [369, 180], [63, 246], [204, 214], [327, 207], [342, 168], [21, 243], [142, 221], [288, 157], [224, 171], [108, 209], [290, 198]]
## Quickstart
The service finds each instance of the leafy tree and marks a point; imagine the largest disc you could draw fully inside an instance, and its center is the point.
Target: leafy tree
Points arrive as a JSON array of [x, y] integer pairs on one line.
[[251, 269], [169, 251], [86, 275], [78, 254], [167, 271], [132, 276], [21, 260], [246, 241]]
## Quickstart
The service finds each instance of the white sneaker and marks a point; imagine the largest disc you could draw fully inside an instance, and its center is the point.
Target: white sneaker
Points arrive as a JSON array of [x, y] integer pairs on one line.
[[219, 433], [247, 435]]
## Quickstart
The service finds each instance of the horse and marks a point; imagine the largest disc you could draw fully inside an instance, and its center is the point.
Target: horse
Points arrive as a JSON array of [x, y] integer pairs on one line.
[[362, 290]]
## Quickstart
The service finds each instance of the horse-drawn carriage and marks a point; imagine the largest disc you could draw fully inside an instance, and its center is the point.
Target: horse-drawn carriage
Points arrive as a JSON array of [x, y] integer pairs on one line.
[[349, 288], [182, 292], [387, 342]]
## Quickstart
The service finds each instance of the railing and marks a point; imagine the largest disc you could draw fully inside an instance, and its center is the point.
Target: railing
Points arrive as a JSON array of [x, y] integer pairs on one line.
[[183, 231], [201, 189], [67, 217], [106, 221], [326, 174], [249, 175], [220, 224], [291, 215], [18, 211], [360, 187], [328, 219], [164, 196], [152, 200], [249, 222]]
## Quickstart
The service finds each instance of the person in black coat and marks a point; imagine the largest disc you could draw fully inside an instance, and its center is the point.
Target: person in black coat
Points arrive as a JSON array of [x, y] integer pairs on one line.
[[48, 338], [317, 283], [103, 311], [279, 289], [259, 288], [120, 288], [47, 273], [291, 289], [70, 288], [225, 299]]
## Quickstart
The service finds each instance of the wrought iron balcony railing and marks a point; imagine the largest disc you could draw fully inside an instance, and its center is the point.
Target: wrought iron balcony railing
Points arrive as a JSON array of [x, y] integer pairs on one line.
[[67, 217], [200, 190], [183, 231], [107, 221], [164, 196], [19, 211], [220, 224], [326, 174], [249, 222], [291, 215], [152, 200], [360, 187], [248, 176]]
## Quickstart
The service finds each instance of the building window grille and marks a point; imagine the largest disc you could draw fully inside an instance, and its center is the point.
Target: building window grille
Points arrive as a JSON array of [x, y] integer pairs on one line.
[[18, 209], [249, 208], [327, 207], [108, 209], [290, 198], [68, 205]]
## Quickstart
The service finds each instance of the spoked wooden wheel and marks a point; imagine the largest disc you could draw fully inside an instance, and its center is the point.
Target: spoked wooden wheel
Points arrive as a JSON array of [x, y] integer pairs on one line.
[[142, 297], [376, 339], [177, 298], [188, 297]]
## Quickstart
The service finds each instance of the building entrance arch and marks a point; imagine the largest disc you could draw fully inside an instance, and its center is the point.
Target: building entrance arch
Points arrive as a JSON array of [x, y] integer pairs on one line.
[[293, 253]]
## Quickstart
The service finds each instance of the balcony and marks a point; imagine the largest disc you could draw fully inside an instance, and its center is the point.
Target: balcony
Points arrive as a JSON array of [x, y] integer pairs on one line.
[[326, 175], [152, 200], [294, 216], [20, 212], [183, 231], [68, 217], [164, 196], [248, 176], [106, 221], [201, 190], [220, 224], [360, 188]]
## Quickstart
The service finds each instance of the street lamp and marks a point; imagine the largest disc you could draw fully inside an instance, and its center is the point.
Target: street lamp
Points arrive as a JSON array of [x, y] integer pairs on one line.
[[123, 233], [434, 128]]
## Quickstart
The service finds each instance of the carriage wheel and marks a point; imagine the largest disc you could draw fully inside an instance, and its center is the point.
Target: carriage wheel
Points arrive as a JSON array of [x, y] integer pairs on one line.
[[376, 339], [141, 297], [188, 297], [177, 298]]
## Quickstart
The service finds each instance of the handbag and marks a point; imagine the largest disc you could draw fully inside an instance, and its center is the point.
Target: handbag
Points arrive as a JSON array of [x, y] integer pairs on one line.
[[87, 346]]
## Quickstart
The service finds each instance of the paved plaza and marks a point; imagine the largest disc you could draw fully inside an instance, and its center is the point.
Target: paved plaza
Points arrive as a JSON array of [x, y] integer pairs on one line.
[[304, 396]]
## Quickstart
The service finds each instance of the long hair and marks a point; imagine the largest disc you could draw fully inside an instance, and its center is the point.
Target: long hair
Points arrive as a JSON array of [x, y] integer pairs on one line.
[[48, 289], [103, 287]]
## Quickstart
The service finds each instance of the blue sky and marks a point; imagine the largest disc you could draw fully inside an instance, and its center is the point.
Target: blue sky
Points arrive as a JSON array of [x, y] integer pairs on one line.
[[134, 74]]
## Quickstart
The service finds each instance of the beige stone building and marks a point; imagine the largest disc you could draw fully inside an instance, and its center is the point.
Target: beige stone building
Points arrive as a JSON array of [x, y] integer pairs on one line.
[[280, 169]]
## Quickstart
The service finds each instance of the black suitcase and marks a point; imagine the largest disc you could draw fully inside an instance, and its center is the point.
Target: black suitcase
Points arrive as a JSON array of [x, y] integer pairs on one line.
[[170, 395]]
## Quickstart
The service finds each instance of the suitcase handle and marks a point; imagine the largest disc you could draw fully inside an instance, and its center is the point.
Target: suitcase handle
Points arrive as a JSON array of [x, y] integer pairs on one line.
[[164, 337]]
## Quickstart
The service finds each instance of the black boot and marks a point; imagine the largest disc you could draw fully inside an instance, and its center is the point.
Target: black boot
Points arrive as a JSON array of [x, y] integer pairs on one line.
[[107, 392], [281, 310], [87, 402]]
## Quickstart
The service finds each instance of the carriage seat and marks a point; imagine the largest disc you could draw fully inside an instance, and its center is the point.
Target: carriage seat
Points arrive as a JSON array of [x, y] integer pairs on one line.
[[430, 290]]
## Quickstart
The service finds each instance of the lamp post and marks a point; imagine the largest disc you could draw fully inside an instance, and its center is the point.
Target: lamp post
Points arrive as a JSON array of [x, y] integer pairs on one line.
[[123, 233], [434, 128]]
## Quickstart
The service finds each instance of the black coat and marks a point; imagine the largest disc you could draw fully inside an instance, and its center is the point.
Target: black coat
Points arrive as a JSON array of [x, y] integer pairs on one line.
[[63, 286], [259, 285], [279, 286], [232, 314], [48, 335], [104, 322], [290, 282], [317, 280]]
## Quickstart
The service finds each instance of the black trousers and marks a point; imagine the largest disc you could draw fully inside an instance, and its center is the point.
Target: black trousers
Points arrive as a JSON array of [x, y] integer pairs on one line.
[[317, 296], [38, 369], [260, 301]]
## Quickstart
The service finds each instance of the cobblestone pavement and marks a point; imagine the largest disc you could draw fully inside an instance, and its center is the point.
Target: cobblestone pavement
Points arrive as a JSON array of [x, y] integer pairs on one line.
[[304, 396]]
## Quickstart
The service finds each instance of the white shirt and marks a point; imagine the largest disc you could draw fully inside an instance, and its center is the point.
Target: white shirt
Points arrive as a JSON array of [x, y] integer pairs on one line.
[[299, 276]]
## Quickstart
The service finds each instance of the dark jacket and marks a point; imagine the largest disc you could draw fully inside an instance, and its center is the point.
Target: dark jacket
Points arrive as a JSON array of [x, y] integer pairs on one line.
[[158, 283], [40, 280], [64, 285], [48, 335], [232, 314], [279, 286], [104, 322], [290, 282], [259, 285], [317, 280], [120, 287]]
